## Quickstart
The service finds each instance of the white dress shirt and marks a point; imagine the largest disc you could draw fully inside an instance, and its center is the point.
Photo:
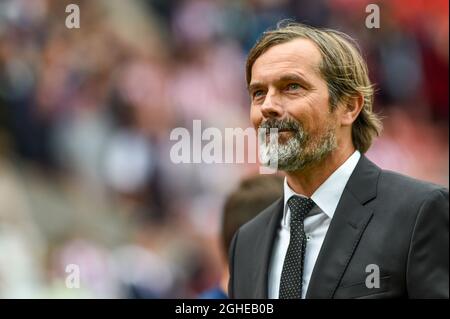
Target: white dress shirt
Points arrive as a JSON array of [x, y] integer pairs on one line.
[[316, 224]]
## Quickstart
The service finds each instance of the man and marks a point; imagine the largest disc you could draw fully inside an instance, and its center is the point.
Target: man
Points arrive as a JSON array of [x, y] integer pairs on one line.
[[344, 228], [254, 194]]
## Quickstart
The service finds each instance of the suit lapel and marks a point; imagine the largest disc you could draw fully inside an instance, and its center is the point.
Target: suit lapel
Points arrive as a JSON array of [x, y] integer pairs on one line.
[[346, 228], [264, 249]]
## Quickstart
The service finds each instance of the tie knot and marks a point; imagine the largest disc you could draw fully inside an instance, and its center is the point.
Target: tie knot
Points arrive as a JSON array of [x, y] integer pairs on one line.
[[300, 207]]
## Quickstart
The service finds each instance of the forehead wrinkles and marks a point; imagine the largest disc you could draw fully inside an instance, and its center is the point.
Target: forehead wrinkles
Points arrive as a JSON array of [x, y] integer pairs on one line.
[[269, 69], [299, 54]]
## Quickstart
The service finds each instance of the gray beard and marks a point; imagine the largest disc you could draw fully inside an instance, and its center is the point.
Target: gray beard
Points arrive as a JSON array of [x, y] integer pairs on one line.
[[297, 153]]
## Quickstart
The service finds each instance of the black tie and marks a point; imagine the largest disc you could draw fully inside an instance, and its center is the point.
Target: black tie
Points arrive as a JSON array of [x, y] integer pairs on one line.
[[292, 275]]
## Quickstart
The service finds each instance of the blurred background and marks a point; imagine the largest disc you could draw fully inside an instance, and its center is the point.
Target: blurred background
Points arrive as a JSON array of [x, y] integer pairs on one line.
[[86, 114]]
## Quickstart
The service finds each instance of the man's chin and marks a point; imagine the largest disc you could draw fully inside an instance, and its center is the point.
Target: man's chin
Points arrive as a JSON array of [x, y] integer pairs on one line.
[[290, 166]]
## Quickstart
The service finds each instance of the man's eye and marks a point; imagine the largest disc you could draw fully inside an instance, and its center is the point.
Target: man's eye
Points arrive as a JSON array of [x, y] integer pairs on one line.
[[293, 86], [258, 93]]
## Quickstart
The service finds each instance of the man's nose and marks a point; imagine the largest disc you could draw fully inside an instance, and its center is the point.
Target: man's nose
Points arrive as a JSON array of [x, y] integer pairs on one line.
[[271, 108]]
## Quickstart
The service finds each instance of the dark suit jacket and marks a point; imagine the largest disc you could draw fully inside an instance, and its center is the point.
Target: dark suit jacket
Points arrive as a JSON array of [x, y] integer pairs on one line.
[[395, 222]]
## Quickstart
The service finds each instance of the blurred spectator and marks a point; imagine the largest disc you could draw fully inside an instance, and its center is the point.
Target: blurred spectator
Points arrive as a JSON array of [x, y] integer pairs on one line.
[[253, 195]]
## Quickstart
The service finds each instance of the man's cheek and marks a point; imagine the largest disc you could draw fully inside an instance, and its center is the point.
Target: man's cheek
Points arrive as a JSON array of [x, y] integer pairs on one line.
[[255, 117]]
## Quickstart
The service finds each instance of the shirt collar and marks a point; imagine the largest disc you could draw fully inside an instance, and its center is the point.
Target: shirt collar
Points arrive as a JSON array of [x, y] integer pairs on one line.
[[328, 194]]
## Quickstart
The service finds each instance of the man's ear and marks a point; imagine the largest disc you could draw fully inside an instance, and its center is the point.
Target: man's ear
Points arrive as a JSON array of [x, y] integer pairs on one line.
[[350, 109]]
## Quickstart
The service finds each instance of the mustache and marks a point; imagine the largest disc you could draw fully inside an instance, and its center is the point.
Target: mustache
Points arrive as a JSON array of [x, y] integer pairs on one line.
[[286, 124]]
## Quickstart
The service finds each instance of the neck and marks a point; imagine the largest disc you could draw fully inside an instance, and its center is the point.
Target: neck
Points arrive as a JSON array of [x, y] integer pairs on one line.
[[307, 180]]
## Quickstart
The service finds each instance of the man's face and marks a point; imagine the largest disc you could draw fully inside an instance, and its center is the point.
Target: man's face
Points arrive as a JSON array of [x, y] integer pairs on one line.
[[288, 93]]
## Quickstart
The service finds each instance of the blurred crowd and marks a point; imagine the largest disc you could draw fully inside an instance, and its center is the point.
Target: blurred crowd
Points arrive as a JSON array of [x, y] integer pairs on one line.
[[86, 115]]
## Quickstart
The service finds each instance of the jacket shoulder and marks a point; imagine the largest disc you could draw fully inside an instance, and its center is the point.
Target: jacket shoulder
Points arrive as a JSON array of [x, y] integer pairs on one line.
[[400, 183]]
